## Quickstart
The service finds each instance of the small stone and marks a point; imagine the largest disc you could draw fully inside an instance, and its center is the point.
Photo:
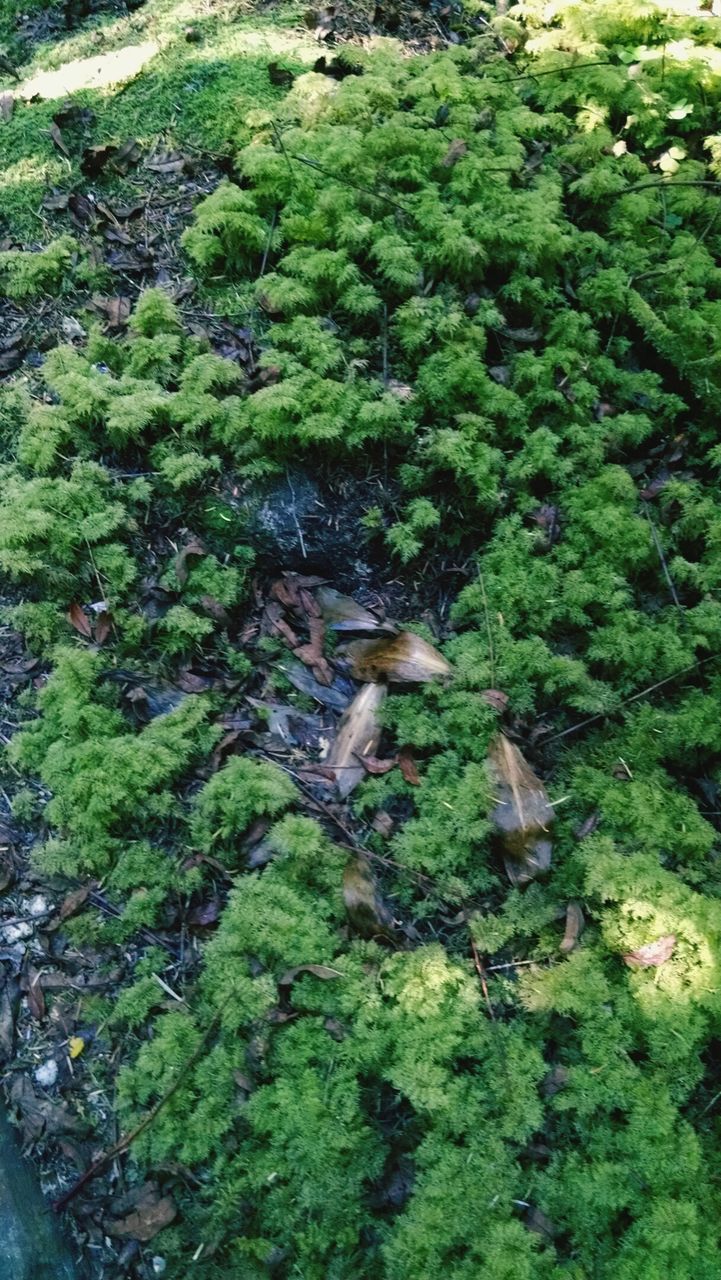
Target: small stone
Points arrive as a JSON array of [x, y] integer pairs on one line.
[[38, 906], [72, 329], [46, 1074], [159, 1265], [17, 932]]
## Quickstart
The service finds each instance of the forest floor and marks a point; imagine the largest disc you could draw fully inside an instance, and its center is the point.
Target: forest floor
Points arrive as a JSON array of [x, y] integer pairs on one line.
[[289, 972]]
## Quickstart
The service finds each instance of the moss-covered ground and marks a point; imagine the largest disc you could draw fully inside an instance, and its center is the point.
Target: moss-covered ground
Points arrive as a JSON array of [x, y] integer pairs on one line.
[[476, 291]]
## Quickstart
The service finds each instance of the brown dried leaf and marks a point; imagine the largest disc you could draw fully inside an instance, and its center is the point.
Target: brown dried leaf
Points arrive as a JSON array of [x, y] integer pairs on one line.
[[73, 901], [77, 619], [56, 201], [496, 699], [359, 733], [457, 149], [116, 310], [35, 996], [9, 1001], [522, 814], [57, 138], [152, 1214], [367, 911], [7, 105], [126, 155], [652, 954], [383, 824], [574, 927], [103, 626], [404, 658], [318, 970], [556, 1080], [372, 764], [180, 563], [95, 159], [343, 613], [41, 1116], [312, 655], [408, 768], [206, 914]]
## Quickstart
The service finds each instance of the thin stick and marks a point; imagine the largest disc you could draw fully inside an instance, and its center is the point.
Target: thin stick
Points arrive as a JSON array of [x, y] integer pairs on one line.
[[662, 558], [122, 1146], [268, 243], [603, 715], [491, 649], [478, 963]]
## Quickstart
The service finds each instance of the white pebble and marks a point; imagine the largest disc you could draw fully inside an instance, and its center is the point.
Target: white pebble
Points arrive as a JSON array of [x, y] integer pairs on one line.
[[17, 932], [46, 1074], [159, 1265], [38, 906]]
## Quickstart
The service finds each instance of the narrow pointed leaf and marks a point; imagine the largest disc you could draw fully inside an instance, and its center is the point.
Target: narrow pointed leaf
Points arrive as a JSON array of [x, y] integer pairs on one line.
[[359, 733], [522, 815], [78, 620], [343, 613]]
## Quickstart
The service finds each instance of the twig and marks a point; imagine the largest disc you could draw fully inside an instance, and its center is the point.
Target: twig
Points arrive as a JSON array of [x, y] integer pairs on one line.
[[491, 649], [268, 243], [123, 1145], [662, 558], [478, 963], [642, 693], [384, 329], [665, 184]]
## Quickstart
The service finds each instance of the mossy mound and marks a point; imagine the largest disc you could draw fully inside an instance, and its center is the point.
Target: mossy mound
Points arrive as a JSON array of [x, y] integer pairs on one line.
[[497, 282]]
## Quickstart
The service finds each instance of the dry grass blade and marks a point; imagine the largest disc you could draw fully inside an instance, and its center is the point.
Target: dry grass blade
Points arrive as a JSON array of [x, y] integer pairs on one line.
[[404, 659], [359, 733], [522, 814]]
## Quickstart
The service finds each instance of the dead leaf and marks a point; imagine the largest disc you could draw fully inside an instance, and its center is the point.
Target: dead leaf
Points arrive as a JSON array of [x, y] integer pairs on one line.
[[191, 682], [9, 1001], [359, 733], [205, 915], [103, 626], [367, 911], [94, 159], [7, 869], [42, 1116], [522, 814], [337, 696], [588, 826], [11, 356], [383, 824], [318, 970], [496, 699], [7, 105], [343, 613], [77, 619], [408, 768], [457, 149], [404, 658], [180, 563], [538, 1222], [556, 1080], [167, 162], [312, 655], [126, 155], [652, 954], [153, 1212], [574, 927], [373, 765], [35, 994], [73, 901], [57, 138]]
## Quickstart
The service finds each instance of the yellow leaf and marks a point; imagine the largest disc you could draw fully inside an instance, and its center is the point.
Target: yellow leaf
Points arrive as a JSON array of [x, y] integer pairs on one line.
[[76, 1044]]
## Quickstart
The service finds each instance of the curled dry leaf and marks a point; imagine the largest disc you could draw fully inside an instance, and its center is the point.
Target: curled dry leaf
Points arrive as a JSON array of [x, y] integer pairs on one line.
[[192, 548], [652, 954], [337, 695], [522, 814], [343, 613], [404, 658], [367, 911], [574, 927], [359, 733], [407, 766], [374, 765], [77, 619], [456, 150]]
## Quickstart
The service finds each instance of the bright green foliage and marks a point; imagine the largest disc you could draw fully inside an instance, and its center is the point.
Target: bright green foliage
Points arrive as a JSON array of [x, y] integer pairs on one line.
[[22, 275], [474, 275]]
